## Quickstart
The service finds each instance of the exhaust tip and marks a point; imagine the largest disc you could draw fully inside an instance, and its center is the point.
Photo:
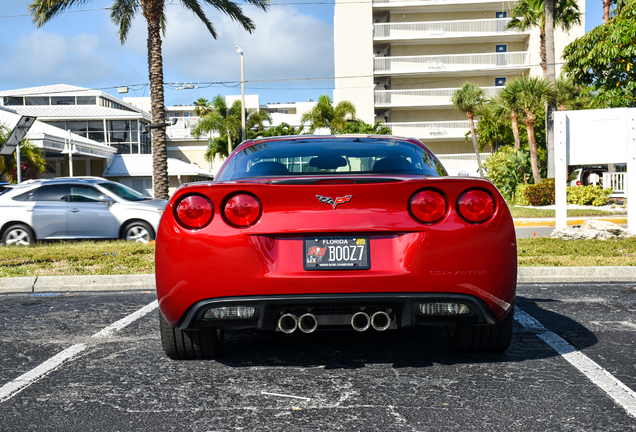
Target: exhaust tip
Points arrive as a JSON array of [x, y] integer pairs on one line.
[[307, 323], [288, 323], [381, 321], [360, 321]]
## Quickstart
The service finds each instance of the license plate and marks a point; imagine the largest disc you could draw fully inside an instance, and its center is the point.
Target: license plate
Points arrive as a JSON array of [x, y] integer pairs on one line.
[[336, 253]]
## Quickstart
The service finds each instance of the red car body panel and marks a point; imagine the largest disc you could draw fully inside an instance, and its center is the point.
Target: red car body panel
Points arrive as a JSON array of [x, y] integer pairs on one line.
[[406, 256]]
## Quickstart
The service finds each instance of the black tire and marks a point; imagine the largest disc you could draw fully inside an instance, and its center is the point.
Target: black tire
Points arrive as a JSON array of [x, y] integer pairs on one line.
[[482, 339], [189, 344], [138, 232], [18, 235]]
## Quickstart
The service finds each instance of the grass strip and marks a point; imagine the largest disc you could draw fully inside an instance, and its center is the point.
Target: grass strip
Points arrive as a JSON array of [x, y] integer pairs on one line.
[[523, 212], [120, 257], [77, 258]]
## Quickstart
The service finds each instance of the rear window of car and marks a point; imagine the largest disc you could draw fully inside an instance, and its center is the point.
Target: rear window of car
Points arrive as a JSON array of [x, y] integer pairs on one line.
[[331, 157], [52, 193]]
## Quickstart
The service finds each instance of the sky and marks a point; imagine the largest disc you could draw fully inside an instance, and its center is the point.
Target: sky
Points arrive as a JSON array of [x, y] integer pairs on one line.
[[289, 58]]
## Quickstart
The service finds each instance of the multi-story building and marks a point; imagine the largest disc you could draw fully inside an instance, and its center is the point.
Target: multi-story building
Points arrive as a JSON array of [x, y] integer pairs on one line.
[[399, 61]]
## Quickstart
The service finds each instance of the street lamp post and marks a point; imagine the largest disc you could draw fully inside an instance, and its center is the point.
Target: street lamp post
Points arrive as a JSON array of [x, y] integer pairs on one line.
[[240, 51]]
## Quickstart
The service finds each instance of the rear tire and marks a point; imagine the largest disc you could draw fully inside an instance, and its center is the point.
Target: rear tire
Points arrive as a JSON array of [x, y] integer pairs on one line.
[[189, 344], [482, 339], [18, 235]]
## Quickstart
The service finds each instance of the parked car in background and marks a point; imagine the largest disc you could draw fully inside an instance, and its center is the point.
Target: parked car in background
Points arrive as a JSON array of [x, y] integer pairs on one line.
[[365, 233], [587, 175], [76, 208]]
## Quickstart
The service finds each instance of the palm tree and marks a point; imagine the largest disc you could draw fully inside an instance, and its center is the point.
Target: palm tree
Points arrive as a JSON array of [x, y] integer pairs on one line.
[[571, 96], [122, 14], [256, 120], [534, 94], [531, 13], [201, 107], [223, 120], [361, 127], [32, 162], [325, 115], [507, 104], [468, 99]]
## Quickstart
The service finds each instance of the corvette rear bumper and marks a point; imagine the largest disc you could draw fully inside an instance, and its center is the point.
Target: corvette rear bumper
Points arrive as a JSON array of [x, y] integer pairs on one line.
[[331, 309]]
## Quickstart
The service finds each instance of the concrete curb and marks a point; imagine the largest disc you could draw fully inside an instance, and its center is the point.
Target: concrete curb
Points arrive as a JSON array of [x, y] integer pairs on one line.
[[146, 282], [542, 222], [56, 284]]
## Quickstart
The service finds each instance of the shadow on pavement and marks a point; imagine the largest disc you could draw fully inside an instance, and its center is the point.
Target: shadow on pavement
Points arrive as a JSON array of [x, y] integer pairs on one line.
[[413, 347]]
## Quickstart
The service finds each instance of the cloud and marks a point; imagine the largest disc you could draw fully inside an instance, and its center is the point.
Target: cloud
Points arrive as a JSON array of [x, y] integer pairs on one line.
[[285, 44]]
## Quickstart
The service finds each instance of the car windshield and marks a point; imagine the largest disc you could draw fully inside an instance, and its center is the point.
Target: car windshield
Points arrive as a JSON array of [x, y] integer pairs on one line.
[[124, 192], [331, 157]]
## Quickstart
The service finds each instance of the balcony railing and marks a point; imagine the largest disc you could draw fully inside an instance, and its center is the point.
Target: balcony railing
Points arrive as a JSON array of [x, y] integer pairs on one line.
[[183, 128], [385, 3], [424, 97], [431, 130], [440, 29], [449, 63]]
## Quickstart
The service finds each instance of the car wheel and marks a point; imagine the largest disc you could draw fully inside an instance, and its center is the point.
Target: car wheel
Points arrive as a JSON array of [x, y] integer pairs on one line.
[[188, 344], [18, 235], [138, 232], [482, 339]]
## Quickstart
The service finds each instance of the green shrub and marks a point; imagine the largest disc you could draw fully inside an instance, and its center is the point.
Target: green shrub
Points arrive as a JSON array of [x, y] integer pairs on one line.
[[506, 169], [540, 194], [520, 198], [588, 195]]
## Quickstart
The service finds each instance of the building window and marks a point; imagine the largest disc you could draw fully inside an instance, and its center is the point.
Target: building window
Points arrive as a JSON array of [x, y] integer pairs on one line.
[[38, 100], [500, 81], [62, 100], [12, 100], [86, 100]]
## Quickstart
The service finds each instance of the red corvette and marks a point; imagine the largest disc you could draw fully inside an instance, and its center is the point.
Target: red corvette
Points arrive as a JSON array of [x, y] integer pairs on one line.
[[303, 233]]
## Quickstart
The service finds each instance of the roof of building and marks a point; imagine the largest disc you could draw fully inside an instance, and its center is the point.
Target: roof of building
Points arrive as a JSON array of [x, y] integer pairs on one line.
[[56, 88], [131, 165], [84, 112]]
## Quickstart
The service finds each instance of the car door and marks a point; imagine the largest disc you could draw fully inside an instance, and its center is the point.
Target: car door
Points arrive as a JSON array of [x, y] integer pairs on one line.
[[88, 216], [49, 211]]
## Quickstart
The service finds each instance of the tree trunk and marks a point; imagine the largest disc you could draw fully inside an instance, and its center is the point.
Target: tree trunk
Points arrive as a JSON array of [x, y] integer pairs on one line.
[[152, 11], [514, 119], [229, 142], [471, 123], [551, 75], [542, 52], [606, 10], [530, 120]]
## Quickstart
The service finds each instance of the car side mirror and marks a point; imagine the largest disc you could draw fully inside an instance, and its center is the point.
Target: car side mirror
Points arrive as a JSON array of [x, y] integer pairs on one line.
[[106, 199]]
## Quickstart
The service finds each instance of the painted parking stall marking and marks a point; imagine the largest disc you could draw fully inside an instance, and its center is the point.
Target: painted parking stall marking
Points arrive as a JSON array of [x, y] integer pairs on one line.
[[12, 388], [619, 392]]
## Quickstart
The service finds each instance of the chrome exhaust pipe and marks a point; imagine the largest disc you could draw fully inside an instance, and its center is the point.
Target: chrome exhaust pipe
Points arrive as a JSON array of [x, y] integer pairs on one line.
[[288, 323], [381, 321], [307, 323], [360, 321]]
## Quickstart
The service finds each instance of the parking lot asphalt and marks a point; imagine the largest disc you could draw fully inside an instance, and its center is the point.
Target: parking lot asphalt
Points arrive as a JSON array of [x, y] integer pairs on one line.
[[146, 282]]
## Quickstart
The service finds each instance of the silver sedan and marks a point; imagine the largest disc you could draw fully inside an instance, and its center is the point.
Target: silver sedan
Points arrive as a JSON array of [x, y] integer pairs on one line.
[[76, 208]]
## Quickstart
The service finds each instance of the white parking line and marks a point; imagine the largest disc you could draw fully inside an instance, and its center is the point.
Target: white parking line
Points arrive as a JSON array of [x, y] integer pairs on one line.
[[622, 395], [12, 388]]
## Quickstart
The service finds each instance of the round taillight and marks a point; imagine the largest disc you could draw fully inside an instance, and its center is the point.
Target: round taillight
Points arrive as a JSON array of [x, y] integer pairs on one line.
[[194, 211], [428, 206], [242, 210], [578, 182], [476, 206]]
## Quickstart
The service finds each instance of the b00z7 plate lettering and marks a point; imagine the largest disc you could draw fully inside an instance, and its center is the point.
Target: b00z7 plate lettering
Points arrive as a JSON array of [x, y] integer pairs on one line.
[[336, 253]]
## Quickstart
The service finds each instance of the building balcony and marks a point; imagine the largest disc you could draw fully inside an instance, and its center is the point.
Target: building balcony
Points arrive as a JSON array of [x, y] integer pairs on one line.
[[515, 62], [482, 30], [183, 128], [421, 98], [441, 131], [444, 4]]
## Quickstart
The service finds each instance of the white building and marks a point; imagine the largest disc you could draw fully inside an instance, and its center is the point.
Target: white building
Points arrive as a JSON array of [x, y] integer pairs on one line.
[[399, 61]]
